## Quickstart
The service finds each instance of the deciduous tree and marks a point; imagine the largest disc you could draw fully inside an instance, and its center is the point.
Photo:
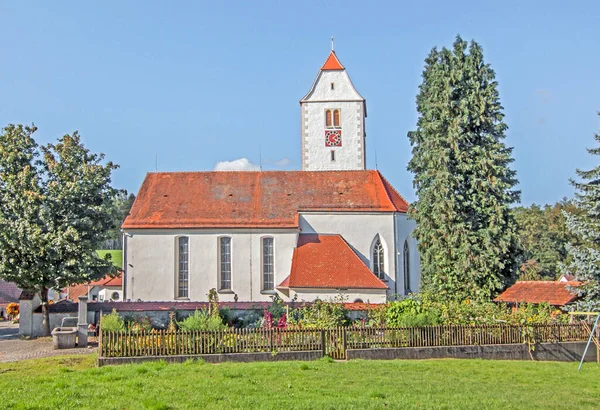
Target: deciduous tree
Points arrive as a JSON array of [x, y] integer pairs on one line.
[[55, 207]]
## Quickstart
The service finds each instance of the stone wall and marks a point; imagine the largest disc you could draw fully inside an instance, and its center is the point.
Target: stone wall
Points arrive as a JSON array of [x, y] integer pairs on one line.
[[562, 352]]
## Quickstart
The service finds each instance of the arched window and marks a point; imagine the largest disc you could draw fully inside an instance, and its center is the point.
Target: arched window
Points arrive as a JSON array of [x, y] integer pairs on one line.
[[183, 270], [268, 264], [406, 257], [378, 259], [328, 119], [336, 118], [225, 263]]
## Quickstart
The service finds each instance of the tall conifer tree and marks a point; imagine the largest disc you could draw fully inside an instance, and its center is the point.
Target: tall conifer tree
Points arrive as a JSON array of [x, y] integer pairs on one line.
[[585, 225], [465, 186]]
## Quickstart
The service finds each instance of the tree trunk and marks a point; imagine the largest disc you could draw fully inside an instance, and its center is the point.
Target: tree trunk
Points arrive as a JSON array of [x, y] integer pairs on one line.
[[45, 312]]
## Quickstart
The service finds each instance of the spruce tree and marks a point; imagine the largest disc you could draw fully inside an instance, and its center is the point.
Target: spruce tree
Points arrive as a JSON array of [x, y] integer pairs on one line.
[[585, 225], [462, 176]]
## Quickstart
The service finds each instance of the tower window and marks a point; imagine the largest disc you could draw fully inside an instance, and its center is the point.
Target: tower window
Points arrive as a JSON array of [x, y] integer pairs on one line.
[[332, 155], [333, 119], [332, 86]]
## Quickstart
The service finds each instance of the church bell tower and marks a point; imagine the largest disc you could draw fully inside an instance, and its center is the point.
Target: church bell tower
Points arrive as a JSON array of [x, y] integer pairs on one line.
[[333, 121]]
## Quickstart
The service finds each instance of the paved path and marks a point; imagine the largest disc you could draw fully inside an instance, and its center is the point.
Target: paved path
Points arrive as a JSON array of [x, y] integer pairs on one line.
[[14, 349]]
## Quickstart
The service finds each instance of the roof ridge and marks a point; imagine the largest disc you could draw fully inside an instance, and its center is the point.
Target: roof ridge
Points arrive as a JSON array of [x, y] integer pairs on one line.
[[386, 186]]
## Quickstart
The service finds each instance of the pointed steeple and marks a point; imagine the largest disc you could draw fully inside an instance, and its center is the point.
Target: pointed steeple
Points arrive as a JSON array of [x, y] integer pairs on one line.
[[332, 63]]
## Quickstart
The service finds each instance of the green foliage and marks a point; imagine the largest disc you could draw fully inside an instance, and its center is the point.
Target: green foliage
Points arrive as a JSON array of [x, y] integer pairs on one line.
[[112, 322], [465, 229], [320, 315], [115, 256], [121, 205], [202, 320], [425, 310], [277, 307], [55, 209], [543, 239], [411, 312], [585, 226]]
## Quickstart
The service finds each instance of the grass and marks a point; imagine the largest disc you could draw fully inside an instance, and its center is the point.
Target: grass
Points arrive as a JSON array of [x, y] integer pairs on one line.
[[116, 257], [73, 382]]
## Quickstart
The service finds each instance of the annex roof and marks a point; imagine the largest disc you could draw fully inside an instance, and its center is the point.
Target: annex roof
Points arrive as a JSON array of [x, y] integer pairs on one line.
[[554, 293], [332, 62], [253, 199], [327, 261]]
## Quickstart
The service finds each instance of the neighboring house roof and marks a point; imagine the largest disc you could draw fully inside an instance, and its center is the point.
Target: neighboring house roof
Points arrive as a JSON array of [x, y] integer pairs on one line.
[[249, 199], [327, 261], [566, 278], [75, 291], [554, 293], [332, 62], [9, 292]]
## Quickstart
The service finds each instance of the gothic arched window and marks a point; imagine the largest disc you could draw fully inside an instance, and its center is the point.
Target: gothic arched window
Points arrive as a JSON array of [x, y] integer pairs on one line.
[[406, 257], [328, 119], [378, 259], [336, 118]]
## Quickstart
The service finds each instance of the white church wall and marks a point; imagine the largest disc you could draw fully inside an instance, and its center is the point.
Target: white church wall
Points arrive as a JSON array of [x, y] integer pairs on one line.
[[152, 265], [404, 228], [359, 230]]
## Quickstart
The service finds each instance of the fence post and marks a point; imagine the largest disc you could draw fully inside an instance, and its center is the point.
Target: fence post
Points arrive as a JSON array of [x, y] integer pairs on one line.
[[323, 345], [345, 342]]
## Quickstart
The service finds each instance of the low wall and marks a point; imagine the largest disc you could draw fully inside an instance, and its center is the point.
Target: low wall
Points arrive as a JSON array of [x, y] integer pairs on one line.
[[217, 358], [562, 352]]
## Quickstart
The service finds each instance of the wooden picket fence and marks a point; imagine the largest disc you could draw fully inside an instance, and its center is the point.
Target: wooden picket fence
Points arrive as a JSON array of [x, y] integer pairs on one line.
[[333, 342]]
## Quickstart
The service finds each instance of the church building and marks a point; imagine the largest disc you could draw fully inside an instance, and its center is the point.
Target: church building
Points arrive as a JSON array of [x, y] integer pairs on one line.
[[334, 228]]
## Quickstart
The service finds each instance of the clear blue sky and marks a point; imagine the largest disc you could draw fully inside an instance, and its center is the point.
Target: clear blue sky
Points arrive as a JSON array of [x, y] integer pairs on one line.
[[202, 82]]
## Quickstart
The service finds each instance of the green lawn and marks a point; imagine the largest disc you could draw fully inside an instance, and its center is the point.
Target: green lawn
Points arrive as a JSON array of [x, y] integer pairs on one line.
[[116, 257], [73, 382]]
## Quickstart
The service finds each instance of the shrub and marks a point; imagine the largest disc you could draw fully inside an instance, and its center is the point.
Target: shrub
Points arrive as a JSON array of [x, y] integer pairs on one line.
[[202, 320], [112, 322], [412, 312], [320, 315], [12, 310]]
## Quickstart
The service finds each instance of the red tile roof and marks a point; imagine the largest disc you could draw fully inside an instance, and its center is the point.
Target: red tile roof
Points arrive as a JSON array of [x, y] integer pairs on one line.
[[332, 62], [327, 261], [238, 199], [9, 292], [554, 293], [75, 291]]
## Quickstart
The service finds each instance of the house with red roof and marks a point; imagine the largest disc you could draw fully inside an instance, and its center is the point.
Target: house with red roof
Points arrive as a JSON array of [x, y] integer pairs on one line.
[[556, 293], [333, 228], [109, 288]]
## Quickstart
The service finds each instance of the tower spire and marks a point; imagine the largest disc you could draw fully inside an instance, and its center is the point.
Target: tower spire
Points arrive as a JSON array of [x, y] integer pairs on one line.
[[332, 45]]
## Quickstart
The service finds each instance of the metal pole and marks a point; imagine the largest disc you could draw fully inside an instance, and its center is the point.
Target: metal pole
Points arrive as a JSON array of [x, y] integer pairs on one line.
[[589, 341]]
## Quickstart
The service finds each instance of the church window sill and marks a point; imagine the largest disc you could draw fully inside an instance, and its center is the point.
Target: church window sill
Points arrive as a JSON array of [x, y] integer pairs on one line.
[[225, 292]]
